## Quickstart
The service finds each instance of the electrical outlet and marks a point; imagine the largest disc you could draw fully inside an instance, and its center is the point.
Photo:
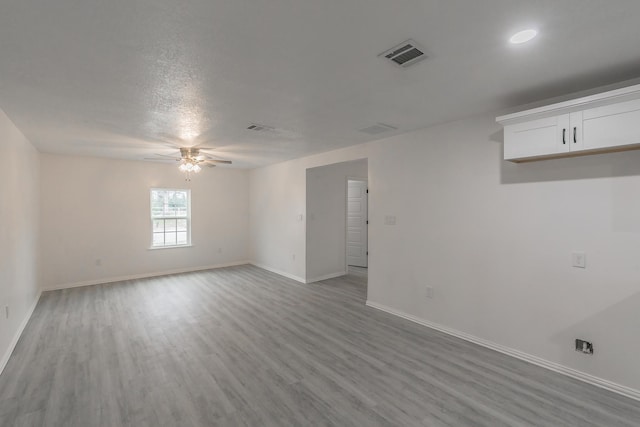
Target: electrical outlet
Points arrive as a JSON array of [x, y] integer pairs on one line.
[[583, 346]]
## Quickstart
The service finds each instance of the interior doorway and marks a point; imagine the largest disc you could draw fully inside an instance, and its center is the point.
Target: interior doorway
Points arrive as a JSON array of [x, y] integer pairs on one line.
[[327, 225], [357, 223]]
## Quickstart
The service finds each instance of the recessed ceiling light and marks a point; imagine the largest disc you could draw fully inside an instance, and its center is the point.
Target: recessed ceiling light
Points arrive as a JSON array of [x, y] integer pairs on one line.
[[523, 36]]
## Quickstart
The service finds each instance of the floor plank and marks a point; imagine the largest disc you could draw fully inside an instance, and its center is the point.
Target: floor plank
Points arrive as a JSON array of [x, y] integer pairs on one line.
[[241, 346]]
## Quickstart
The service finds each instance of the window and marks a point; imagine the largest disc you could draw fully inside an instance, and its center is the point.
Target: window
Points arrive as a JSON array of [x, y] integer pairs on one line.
[[170, 218]]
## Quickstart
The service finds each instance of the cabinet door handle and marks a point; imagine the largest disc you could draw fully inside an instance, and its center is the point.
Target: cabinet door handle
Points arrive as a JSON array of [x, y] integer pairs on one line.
[[564, 132], [575, 138]]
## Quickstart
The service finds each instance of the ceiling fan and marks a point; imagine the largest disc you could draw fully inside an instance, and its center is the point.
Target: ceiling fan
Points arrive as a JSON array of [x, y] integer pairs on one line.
[[192, 159]]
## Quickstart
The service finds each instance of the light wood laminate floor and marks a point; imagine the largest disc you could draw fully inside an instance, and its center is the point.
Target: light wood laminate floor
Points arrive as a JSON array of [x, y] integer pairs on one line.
[[244, 347]]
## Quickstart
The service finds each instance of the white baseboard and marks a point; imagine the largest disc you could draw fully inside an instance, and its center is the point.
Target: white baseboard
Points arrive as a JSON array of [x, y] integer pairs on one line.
[[561, 369], [141, 276], [281, 273], [326, 277], [16, 337]]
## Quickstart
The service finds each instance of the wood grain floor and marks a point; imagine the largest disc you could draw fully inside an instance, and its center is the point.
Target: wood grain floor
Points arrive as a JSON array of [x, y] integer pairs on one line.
[[241, 346]]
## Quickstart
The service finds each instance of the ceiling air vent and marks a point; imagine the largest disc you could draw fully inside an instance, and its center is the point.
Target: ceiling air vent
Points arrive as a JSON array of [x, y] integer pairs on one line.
[[260, 128], [378, 128], [405, 54]]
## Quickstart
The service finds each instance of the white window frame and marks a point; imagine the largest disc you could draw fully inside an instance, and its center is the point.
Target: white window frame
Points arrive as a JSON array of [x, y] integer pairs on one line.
[[187, 217]]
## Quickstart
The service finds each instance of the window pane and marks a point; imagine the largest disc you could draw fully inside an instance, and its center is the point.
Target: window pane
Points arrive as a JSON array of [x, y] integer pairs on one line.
[[170, 238], [158, 239], [158, 225], [157, 203], [170, 217], [170, 224], [176, 203], [156, 212]]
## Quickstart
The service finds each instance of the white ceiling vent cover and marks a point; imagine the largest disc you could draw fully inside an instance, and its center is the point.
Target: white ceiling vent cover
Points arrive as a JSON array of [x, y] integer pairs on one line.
[[405, 54], [378, 128]]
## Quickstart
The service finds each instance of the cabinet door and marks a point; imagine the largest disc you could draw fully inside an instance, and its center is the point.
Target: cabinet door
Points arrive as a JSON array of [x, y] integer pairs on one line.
[[611, 126], [537, 138]]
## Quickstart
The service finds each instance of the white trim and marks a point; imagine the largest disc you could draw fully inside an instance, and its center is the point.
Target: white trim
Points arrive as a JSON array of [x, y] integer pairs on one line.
[[326, 277], [141, 276], [280, 272], [552, 366], [155, 248], [16, 337], [597, 100], [164, 218]]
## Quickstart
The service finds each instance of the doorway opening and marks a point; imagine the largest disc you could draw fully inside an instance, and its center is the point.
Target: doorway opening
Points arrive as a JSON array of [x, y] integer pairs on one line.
[[336, 228]]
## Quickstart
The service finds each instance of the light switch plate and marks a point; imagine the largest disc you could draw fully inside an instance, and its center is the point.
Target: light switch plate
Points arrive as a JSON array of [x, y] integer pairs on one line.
[[579, 259]]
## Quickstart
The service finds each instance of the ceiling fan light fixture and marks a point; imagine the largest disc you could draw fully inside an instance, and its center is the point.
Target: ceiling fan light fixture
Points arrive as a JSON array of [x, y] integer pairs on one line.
[[191, 161], [188, 166]]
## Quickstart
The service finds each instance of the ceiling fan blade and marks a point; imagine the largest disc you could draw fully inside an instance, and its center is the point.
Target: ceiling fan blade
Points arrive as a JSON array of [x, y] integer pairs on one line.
[[226, 162], [165, 155], [209, 165], [159, 160]]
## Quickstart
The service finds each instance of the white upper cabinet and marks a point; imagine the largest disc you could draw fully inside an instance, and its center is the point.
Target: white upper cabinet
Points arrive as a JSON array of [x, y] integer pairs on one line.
[[616, 125], [536, 138], [606, 122]]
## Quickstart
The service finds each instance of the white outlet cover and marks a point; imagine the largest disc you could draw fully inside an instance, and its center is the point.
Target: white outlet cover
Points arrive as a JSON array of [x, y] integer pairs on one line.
[[579, 259], [429, 292]]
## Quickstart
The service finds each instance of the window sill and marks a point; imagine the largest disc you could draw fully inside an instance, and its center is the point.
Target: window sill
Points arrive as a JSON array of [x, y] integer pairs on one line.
[[155, 248]]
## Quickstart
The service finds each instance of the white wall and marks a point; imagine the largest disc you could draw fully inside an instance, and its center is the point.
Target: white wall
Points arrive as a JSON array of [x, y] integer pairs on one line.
[[99, 209], [493, 238], [326, 217], [278, 211], [19, 183]]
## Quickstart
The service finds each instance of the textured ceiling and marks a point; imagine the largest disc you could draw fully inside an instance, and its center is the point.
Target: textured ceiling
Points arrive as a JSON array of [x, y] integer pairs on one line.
[[130, 78]]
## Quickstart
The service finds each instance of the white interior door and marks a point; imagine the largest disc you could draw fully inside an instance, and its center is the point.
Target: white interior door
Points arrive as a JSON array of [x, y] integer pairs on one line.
[[357, 223]]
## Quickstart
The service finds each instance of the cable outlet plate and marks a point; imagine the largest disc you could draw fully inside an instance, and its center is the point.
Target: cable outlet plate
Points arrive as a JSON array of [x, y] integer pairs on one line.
[[583, 346]]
